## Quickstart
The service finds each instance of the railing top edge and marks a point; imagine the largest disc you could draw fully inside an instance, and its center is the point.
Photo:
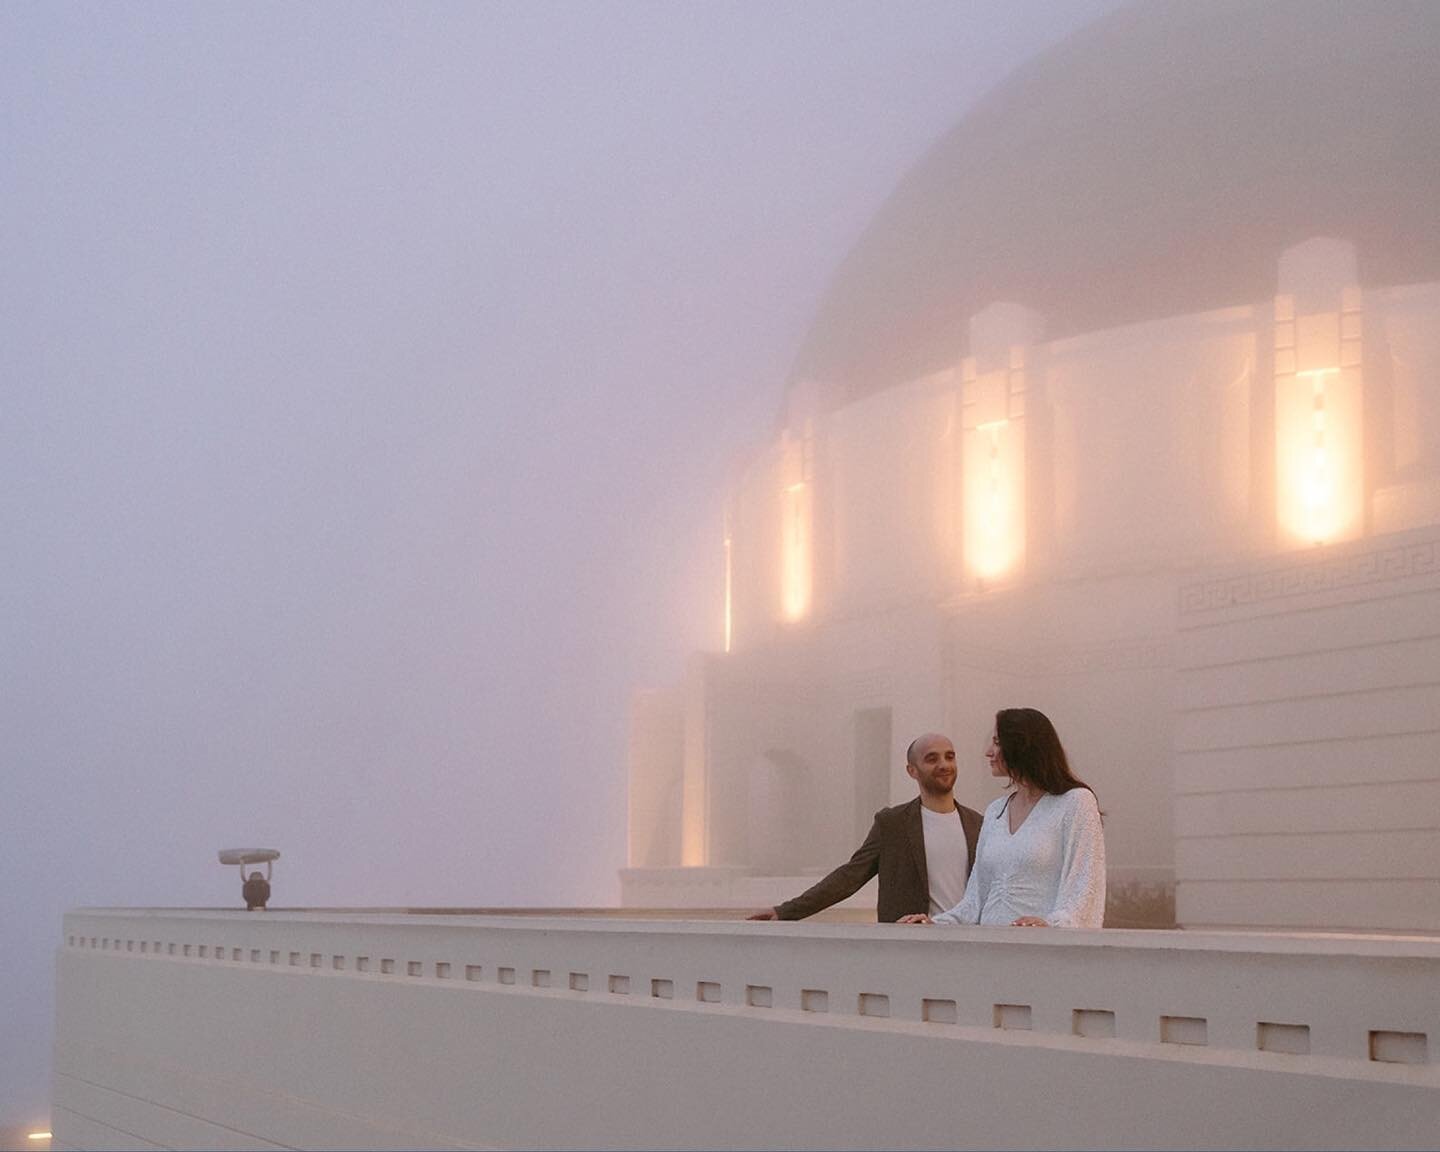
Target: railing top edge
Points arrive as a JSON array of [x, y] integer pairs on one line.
[[1186, 940]]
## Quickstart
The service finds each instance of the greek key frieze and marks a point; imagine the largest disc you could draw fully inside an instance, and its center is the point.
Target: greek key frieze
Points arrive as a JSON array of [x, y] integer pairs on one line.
[[1377, 566]]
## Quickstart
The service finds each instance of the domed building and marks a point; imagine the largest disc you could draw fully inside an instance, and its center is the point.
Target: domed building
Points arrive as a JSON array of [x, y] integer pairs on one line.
[[1126, 407]]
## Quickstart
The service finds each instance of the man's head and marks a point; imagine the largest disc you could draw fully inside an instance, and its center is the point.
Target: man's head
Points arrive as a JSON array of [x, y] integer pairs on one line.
[[930, 762]]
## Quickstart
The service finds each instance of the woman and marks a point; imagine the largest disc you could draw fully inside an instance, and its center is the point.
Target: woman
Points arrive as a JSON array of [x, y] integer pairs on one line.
[[1041, 856]]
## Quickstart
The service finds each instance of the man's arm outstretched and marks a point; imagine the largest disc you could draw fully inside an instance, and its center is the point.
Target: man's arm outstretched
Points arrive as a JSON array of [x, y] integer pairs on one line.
[[844, 881]]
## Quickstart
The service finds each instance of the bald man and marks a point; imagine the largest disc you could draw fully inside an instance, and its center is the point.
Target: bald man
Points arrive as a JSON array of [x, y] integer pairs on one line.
[[923, 850]]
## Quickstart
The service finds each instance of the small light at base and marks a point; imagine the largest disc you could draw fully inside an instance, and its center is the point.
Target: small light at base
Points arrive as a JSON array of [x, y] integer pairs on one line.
[[37, 1136]]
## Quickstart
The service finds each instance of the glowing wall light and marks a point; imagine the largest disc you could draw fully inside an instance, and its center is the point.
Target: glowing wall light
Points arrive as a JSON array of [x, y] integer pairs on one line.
[[1319, 418], [796, 524], [992, 410]]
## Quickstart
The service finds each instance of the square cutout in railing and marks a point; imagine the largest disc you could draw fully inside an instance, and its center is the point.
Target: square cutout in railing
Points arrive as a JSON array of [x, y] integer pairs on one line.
[[1292, 1039], [473, 972], [579, 981], [1013, 1017], [1399, 1047], [505, 976], [387, 967], [362, 964], [662, 989], [619, 985], [1184, 1030], [1093, 1023], [414, 968], [938, 1011], [759, 995], [539, 977], [442, 970], [874, 1004], [707, 992], [814, 1000]]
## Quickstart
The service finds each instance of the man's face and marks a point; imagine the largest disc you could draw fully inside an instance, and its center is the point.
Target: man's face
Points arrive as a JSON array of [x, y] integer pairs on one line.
[[934, 767]]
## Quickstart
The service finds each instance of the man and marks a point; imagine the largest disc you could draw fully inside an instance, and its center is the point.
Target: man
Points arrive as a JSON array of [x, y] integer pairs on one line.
[[923, 850]]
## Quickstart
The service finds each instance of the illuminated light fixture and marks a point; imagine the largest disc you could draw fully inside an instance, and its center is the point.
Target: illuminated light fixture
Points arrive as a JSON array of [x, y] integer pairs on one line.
[[1319, 423], [1319, 487], [797, 552], [994, 519], [994, 480], [796, 499], [38, 1136]]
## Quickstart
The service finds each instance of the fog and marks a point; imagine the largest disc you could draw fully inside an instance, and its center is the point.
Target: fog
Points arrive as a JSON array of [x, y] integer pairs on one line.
[[369, 377]]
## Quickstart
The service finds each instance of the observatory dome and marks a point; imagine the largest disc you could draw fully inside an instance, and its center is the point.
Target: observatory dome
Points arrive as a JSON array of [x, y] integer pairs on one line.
[[1155, 164]]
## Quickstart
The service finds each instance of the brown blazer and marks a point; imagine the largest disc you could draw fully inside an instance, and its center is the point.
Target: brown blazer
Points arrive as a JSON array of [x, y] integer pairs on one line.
[[895, 848]]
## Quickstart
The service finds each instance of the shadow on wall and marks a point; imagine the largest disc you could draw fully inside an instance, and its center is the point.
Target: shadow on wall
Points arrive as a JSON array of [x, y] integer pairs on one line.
[[1140, 904]]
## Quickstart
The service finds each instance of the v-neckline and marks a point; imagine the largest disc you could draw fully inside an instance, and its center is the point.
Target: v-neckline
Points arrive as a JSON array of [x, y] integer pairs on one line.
[[1006, 814]]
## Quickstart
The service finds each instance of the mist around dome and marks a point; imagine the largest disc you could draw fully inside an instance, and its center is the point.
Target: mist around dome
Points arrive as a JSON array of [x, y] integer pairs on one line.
[[1152, 165], [1122, 407], [369, 378]]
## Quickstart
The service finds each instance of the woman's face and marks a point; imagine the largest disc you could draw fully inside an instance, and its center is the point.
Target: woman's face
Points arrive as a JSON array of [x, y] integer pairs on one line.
[[996, 758]]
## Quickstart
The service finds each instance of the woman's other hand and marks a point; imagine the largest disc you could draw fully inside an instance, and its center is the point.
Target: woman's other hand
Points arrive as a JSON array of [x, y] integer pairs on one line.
[[915, 918], [1028, 922]]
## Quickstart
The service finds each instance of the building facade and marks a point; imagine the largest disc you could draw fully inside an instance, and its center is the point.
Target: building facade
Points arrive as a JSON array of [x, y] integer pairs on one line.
[[1126, 407]]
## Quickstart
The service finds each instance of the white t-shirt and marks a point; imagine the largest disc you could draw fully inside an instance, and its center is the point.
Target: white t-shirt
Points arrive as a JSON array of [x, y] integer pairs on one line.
[[947, 858]]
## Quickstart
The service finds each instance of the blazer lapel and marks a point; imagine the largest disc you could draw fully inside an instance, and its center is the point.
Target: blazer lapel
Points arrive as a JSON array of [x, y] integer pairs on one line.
[[915, 833]]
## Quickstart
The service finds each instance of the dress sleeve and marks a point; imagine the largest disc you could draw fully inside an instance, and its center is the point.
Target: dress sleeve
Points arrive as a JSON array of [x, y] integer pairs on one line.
[[1080, 899], [968, 910]]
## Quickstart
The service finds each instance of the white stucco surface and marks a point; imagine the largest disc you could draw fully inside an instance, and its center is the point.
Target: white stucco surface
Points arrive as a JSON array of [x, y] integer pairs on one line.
[[373, 1030]]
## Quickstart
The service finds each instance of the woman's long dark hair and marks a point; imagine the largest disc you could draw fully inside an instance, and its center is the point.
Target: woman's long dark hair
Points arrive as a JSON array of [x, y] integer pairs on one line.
[[1032, 751]]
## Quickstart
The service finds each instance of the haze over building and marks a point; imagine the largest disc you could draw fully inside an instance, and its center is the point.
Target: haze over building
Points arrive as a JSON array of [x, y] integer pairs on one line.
[[1125, 406]]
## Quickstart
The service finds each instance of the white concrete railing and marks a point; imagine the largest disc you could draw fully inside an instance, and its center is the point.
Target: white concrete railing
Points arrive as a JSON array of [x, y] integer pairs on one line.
[[220, 1029]]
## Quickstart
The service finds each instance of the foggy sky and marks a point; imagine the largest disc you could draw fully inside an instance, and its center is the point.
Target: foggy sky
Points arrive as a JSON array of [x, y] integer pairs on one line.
[[369, 379]]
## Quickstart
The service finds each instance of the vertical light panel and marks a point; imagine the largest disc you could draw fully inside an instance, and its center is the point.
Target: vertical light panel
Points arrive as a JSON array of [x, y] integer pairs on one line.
[[992, 412], [1319, 423], [695, 770], [796, 527]]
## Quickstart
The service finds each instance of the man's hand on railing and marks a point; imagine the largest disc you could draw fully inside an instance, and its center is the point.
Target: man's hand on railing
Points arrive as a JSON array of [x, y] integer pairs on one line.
[[767, 914], [915, 918]]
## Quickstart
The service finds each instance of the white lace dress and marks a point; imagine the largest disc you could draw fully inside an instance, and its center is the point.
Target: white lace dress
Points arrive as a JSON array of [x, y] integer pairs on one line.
[[1053, 867]]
